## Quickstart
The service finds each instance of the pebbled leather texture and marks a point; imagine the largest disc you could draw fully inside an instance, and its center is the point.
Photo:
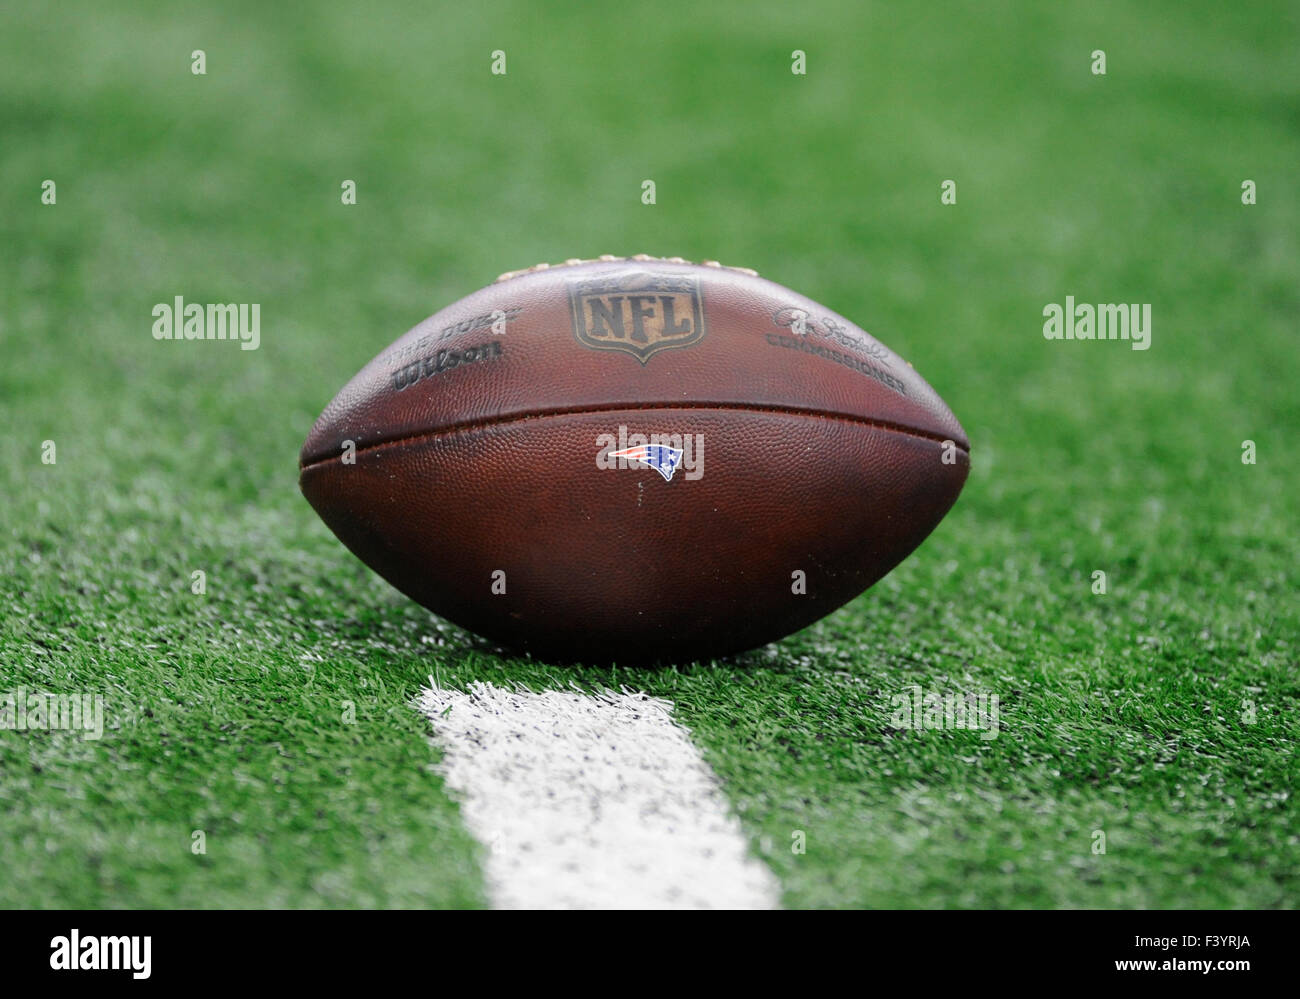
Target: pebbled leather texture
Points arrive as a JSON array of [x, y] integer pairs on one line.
[[477, 455]]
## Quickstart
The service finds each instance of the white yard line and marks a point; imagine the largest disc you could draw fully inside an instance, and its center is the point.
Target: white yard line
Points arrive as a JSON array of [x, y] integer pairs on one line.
[[591, 801]]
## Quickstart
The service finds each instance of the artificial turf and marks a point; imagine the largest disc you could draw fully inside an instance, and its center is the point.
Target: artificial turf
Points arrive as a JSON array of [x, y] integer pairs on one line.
[[272, 713]]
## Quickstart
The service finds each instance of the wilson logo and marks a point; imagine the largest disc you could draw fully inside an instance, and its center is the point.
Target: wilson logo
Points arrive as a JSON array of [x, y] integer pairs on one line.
[[440, 361]]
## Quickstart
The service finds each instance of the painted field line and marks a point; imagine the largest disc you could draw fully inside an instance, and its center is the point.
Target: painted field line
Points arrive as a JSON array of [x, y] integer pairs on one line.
[[590, 801]]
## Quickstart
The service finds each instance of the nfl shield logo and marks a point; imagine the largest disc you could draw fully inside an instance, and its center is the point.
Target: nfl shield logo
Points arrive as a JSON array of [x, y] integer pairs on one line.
[[637, 312]]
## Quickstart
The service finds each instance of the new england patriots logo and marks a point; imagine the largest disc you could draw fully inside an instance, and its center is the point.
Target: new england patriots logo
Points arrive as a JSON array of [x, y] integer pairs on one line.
[[662, 459]]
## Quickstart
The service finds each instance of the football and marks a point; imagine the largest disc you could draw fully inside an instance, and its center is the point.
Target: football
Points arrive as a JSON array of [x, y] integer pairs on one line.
[[634, 459]]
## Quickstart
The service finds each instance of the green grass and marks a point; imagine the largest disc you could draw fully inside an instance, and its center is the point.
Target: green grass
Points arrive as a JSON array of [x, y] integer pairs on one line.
[[1121, 713]]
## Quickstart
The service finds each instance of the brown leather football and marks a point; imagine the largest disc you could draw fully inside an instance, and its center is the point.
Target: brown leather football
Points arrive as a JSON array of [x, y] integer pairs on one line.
[[634, 459]]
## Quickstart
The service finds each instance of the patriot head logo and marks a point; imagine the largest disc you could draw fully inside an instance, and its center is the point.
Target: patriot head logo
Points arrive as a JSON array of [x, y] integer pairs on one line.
[[661, 458]]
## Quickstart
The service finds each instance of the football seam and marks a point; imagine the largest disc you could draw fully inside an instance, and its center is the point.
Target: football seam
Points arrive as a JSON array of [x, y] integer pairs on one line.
[[455, 428]]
